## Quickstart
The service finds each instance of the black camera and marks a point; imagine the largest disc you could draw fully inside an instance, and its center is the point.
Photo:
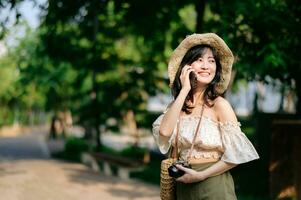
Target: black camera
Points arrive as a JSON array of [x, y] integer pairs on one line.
[[174, 172]]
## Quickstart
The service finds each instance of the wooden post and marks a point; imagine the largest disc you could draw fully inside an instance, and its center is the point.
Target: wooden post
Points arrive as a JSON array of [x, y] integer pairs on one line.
[[285, 162]]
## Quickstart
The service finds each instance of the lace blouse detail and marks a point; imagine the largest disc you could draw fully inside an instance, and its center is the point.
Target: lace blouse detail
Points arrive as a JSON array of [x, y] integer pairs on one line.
[[200, 153], [215, 139], [238, 148]]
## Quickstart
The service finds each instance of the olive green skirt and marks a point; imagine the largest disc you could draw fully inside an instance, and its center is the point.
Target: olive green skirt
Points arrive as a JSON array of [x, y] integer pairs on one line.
[[219, 187]]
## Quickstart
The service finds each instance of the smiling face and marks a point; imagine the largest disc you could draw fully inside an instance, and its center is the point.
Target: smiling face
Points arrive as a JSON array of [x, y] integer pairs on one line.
[[205, 67]]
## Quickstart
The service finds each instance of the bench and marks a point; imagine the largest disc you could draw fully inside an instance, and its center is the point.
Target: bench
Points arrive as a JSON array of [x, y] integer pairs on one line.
[[122, 164]]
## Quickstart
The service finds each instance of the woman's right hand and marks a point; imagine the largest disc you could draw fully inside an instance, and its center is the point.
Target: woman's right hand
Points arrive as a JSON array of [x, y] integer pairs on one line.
[[184, 77]]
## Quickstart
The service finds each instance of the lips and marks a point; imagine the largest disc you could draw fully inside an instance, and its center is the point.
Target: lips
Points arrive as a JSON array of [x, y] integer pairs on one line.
[[204, 74]]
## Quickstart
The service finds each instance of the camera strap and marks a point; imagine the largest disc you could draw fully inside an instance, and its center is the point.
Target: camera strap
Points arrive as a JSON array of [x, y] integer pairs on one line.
[[174, 153], [196, 133]]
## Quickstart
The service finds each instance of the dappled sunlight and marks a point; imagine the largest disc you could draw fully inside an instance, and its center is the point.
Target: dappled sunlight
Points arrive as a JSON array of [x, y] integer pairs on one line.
[[289, 191], [83, 175], [90, 78], [7, 170], [52, 179], [273, 166]]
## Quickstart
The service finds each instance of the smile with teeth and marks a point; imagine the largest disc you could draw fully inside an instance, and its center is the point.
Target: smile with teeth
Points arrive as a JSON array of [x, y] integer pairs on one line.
[[204, 74]]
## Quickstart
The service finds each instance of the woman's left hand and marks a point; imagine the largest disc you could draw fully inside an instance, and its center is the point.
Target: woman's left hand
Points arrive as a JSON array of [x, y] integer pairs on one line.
[[190, 176]]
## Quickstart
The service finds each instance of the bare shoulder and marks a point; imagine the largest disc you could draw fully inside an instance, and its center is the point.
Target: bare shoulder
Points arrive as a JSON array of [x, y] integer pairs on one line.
[[224, 110]]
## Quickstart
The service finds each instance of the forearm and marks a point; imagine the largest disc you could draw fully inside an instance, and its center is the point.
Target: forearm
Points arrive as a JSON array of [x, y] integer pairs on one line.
[[216, 169], [171, 116]]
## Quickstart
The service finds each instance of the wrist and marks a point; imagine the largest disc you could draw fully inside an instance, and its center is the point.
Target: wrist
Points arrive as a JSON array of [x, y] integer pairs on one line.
[[202, 176], [185, 90]]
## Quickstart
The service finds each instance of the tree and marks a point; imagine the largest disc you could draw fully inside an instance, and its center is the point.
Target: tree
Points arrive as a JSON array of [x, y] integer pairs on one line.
[[21, 98], [264, 37], [117, 50]]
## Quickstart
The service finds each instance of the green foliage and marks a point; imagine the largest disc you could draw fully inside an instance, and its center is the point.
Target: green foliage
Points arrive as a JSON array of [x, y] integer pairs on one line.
[[73, 149], [76, 145], [31, 80], [108, 150], [9, 76], [118, 58], [134, 152], [84, 49], [264, 38], [131, 151], [103, 58]]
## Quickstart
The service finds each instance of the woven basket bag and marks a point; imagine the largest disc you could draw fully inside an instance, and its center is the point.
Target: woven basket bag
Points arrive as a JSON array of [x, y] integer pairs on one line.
[[167, 183]]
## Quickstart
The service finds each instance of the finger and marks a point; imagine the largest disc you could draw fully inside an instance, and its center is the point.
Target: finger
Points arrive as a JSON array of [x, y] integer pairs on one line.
[[180, 179], [185, 68], [185, 169], [188, 72]]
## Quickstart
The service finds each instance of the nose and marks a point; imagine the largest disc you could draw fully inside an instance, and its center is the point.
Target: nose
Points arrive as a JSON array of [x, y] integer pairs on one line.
[[204, 65]]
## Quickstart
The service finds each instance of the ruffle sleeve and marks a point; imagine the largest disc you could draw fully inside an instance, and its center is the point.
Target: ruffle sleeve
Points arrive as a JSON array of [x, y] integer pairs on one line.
[[163, 143], [237, 147]]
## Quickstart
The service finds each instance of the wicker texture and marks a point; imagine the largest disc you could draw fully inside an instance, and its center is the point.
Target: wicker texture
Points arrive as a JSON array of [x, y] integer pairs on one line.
[[167, 183]]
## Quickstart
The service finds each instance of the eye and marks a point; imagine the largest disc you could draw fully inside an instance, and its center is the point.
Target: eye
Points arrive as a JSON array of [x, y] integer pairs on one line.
[[211, 61]]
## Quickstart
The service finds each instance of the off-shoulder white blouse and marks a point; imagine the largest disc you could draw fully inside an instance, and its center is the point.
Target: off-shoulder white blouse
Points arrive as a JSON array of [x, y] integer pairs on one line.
[[215, 139]]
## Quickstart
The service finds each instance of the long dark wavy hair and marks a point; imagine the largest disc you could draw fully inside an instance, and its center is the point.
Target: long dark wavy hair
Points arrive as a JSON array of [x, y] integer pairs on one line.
[[210, 93]]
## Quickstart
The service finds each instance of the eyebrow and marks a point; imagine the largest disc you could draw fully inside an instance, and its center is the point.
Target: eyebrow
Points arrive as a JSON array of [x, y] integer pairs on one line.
[[208, 57]]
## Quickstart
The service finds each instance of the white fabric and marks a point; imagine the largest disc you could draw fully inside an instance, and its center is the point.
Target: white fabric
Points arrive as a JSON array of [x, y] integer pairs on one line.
[[238, 149], [215, 139], [163, 143]]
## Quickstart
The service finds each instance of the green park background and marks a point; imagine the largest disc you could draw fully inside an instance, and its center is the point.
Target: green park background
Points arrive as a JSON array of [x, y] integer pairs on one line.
[[102, 61]]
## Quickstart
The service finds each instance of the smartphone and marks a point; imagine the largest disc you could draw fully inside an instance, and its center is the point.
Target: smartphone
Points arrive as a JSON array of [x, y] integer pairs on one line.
[[193, 80]]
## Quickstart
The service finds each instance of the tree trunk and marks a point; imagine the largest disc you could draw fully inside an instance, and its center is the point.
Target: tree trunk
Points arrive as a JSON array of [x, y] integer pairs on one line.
[[281, 106], [98, 139], [95, 110], [94, 83], [200, 10]]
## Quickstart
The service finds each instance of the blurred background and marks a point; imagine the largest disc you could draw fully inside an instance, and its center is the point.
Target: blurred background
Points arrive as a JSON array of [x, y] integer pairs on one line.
[[86, 79]]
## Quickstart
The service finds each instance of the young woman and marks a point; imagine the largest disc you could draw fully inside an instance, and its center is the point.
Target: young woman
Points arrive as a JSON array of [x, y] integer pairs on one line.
[[201, 121]]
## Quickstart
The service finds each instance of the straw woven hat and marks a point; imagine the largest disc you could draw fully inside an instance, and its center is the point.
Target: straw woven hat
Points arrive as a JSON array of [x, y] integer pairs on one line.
[[224, 53]]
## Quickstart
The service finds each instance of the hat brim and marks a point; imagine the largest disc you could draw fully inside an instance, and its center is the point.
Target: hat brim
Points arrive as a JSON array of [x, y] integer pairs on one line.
[[223, 51]]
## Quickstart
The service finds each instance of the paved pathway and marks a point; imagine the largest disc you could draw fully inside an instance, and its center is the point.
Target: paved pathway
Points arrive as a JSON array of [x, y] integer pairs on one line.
[[27, 173], [25, 147]]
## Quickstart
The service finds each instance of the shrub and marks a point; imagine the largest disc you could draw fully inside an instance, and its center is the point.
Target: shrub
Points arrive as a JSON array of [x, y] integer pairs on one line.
[[76, 146]]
